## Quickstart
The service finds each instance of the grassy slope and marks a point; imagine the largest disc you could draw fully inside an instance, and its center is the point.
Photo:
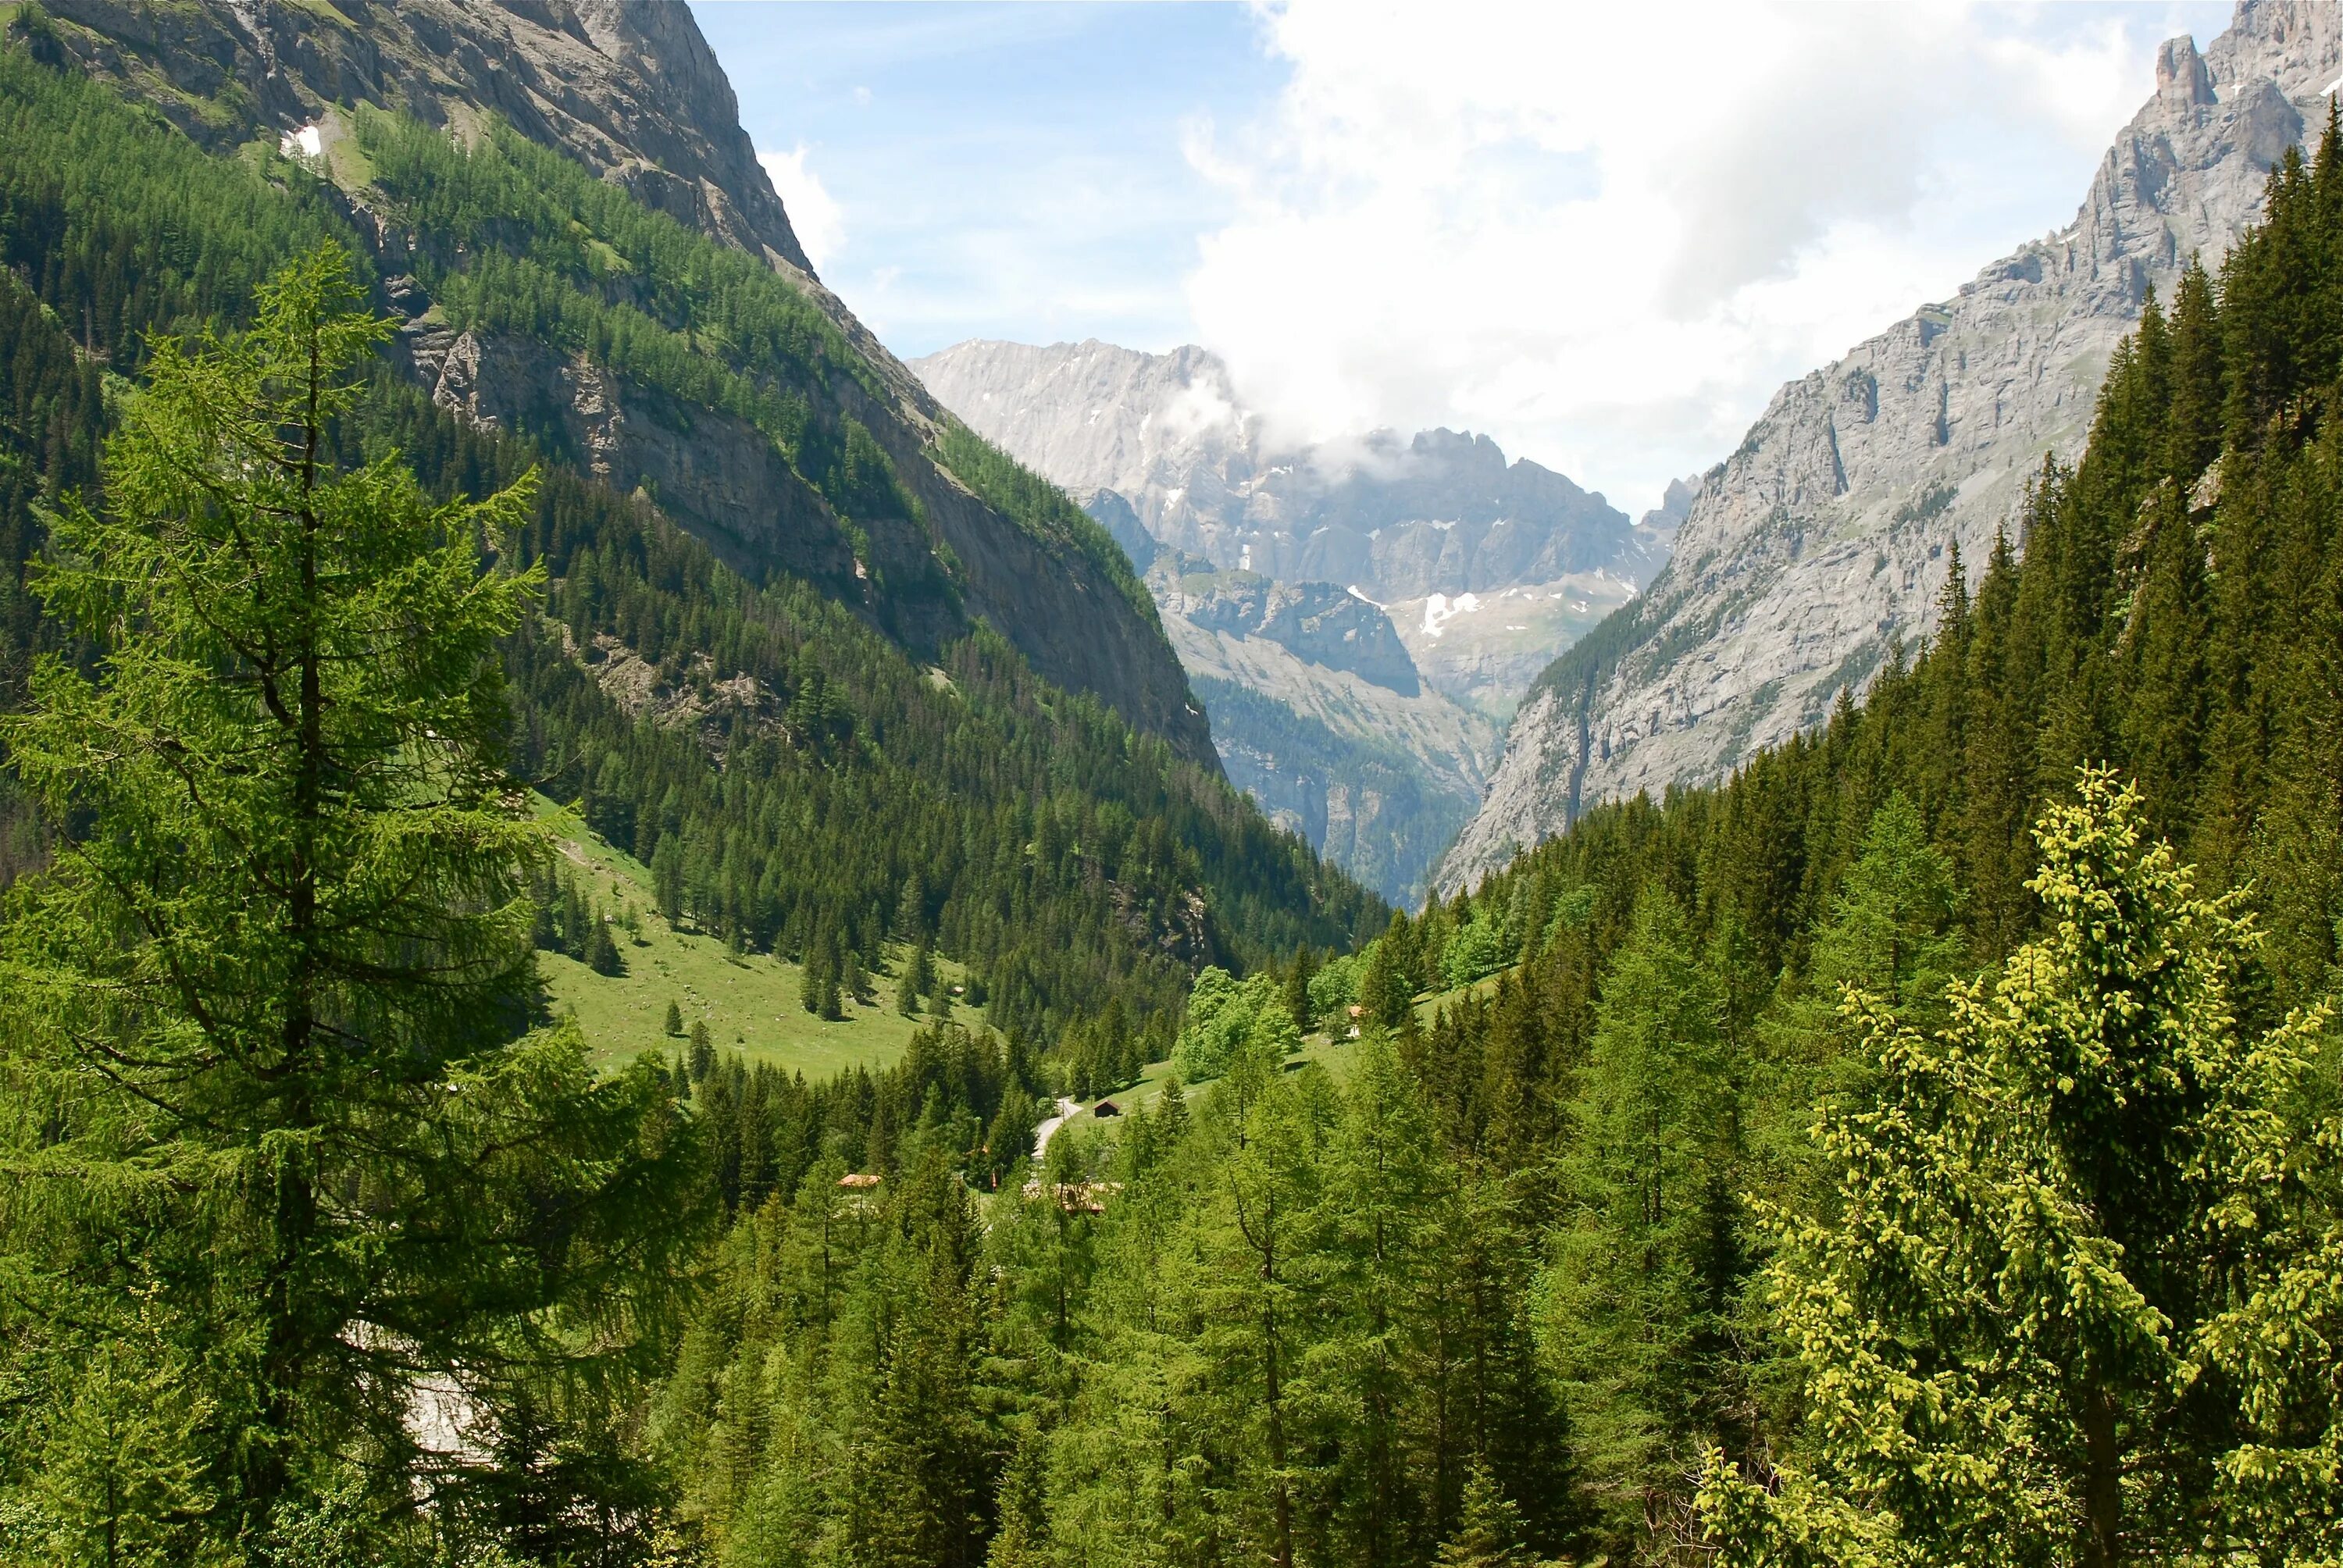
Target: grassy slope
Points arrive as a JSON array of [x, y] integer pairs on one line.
[[1328, 1052], [751, 1002]]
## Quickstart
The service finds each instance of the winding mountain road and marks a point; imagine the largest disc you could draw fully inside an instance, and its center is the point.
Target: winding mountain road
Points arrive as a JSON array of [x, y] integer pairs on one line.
[[1042, 1134]]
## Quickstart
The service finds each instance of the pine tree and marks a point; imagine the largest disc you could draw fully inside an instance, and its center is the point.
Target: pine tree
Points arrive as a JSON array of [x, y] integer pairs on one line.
[[674, 1019]]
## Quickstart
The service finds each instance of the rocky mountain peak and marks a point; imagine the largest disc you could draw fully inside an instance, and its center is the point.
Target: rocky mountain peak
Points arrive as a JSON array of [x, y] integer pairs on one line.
[[1821, 542], [1676, 505], [2182, 80]]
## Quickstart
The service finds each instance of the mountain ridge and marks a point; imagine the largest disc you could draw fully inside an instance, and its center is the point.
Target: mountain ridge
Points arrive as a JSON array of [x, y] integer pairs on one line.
[[1441, 573], [1818, 547], [633, 94], [1203, 472]]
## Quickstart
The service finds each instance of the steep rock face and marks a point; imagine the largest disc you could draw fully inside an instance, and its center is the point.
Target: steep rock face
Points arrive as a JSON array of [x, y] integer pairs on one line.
[[1112, 512], [630, 90], [1315, 622], [1437, 513], [1378, 779], [1822, 541], [1319, 713], [717, 474]]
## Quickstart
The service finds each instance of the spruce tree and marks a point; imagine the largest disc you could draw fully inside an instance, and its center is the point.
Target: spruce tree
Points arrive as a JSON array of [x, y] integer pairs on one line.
[[1297, 988], [1490, 1533], [601, 951], [1388, 989], [2054, 1310], [1382, 1188], [817, 983]]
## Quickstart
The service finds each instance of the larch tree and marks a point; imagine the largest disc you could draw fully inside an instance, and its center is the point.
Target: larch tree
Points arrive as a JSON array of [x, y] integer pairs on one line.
[[275, 1135]]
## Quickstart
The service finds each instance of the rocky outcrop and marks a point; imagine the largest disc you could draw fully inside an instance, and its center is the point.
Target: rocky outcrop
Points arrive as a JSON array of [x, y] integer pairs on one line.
[[1439, 512], [695, 699], [1316, 622], [716, 473], [1821, 542], [630, 90]]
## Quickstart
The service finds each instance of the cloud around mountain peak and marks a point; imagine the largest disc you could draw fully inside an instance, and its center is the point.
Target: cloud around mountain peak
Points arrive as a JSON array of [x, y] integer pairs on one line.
[[1633, 244]]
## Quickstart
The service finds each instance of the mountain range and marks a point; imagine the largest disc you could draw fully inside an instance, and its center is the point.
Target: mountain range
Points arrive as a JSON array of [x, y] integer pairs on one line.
[[1385, 604], [1435, 579], [842, 678]]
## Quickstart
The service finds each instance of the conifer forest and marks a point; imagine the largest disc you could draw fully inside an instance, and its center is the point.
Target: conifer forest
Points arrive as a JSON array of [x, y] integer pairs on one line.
[[1923, 1146]]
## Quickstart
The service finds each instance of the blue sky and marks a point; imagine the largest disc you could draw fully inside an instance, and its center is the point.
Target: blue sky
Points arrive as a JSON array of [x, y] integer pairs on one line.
[[1602, 234], [1001, 170]]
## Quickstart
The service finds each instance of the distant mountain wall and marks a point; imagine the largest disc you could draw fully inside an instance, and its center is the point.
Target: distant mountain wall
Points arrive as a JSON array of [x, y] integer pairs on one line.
[[1358, 617], [1438, 512]]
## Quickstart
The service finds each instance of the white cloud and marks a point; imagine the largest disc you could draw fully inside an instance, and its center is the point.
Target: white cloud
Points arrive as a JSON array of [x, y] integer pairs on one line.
[[1604, 234], [814, 215]]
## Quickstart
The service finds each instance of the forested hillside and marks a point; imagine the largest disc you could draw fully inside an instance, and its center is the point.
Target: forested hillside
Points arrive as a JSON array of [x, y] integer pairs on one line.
[[1897, 1130], [1925, 1148], [794, 777]]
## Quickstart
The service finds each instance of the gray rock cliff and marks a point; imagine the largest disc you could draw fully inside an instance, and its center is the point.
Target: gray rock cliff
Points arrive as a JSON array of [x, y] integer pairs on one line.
[[1821, 542], [1316, 622]]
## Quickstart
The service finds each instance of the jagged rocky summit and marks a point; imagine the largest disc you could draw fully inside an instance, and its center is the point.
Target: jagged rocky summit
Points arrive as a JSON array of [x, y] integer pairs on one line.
[[631, 90], [1439, 512], [1435, 579], [1821, 543]]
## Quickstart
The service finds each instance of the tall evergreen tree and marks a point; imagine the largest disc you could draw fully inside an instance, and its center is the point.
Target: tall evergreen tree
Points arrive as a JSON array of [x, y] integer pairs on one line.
[[261, 1009], [2053, 1311], [1635, 1303]]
